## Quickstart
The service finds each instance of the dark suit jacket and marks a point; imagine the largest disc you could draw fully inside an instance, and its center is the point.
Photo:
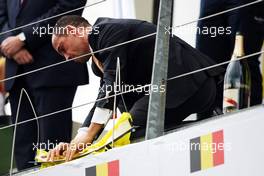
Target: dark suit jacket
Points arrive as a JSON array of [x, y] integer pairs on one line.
[[136, 60], [13, 14], [252, 19]]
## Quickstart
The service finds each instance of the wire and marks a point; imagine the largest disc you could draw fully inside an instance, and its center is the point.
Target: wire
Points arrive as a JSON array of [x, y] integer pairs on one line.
[[119, 84], [176, 77], [70, 108], [84, 55], [124, 43], [216, 65], [139, 88], [115, 92], [49, 18], [222, 12], [14, 137], [15, 128], [136, 89]]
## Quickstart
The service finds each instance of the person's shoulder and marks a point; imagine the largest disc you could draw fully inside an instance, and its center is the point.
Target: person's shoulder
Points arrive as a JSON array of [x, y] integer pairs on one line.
[[103, 21]]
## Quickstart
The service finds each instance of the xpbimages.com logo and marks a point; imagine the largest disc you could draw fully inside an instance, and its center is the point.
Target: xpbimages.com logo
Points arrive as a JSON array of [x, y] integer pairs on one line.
[[211, 31], [51, 145], [146, 90], [49, 30]]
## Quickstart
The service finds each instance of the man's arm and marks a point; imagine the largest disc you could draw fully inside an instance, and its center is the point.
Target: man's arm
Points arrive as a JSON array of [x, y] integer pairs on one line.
[[102, 109], [80, 142], [83, 139], [22, 57], [112, 35], [93, 124]]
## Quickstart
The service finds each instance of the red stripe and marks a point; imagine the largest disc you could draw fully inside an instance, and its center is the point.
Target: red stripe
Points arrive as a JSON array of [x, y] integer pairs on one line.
[[218, 141], [113, 168], [231, 101]]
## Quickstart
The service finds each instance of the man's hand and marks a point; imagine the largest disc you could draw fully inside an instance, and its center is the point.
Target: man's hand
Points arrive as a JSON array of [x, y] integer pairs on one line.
[[11, 45], [57, 151], [23, 57], [69, 150], [80, 142]]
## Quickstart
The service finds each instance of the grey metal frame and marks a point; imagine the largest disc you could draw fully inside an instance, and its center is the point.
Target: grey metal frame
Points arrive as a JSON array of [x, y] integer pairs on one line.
[[157, 101]]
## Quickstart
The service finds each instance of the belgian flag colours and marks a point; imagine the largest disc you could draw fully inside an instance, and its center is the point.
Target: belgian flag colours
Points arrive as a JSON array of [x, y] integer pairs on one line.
[[207, 151], [105, 169]]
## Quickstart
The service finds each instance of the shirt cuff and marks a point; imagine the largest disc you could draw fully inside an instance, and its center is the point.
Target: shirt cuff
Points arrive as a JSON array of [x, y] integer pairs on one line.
[[101, 115], [82, 132], [22, 37]]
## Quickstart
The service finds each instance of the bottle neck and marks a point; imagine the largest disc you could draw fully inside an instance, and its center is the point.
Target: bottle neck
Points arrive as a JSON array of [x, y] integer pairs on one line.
[[239, 47]]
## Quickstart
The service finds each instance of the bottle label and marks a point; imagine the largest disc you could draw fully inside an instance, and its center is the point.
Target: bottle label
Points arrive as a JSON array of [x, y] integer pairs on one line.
[[226, 86], [231, 99]]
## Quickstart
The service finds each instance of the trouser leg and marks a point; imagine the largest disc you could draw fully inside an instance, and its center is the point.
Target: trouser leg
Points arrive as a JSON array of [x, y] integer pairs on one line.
[[253, 39], [201, 101], [218, 48], [57, 127]]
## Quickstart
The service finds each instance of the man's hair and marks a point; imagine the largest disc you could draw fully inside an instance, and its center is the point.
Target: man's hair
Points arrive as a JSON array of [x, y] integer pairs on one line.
[[73, 20]]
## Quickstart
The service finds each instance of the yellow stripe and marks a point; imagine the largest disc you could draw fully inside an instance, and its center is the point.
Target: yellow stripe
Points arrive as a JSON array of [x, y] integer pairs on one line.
[[102, 170], [206, 152]]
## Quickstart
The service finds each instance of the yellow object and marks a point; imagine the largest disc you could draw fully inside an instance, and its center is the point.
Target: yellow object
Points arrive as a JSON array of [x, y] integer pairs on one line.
[[122, 131], [124, 121]]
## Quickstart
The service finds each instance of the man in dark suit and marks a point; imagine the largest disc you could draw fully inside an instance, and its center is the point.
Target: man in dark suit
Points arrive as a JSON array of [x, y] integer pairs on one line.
[[50, 90], [249, 21], [187, 95]]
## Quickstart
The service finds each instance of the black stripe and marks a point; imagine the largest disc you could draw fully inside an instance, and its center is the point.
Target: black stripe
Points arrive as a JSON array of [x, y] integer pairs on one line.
[[195, 154], [91, 171]]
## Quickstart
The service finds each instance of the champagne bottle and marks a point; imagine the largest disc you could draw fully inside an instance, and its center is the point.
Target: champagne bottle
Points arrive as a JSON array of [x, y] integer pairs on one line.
[[237, 81]]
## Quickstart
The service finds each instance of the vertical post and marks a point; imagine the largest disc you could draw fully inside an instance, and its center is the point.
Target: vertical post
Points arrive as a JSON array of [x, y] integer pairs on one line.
[[157, 101]]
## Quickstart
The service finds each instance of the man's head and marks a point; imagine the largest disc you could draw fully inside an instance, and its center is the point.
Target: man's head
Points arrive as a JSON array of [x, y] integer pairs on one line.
[[70, 37]]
